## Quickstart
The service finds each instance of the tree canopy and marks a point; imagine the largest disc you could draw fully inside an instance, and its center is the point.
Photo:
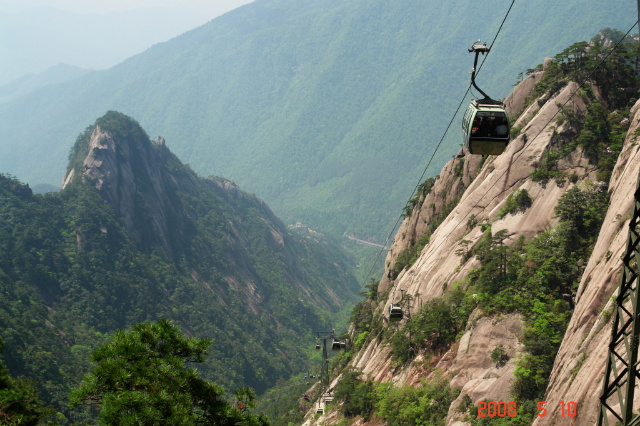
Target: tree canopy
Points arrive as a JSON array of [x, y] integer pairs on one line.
[[141, 377], [19, 401]]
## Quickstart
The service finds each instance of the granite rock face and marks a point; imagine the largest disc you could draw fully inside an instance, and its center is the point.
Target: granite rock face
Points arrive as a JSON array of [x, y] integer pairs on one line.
[[129, 176], [472, 191]]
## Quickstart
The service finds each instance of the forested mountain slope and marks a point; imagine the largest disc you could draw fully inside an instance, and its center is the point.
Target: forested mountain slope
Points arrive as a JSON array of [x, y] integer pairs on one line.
[[299, 101], [507, 265], [135, 236]]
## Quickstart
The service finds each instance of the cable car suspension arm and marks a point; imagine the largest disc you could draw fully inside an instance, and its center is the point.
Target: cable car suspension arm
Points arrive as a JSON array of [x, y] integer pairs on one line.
[[478, 48]]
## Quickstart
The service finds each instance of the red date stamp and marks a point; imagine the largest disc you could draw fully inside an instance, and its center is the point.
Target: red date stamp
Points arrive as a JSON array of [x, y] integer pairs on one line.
[[510, 409], [497, 409]]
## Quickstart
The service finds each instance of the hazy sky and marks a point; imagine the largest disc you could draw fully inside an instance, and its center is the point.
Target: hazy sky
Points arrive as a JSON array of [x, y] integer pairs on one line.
[[36, 35], [209, 9]]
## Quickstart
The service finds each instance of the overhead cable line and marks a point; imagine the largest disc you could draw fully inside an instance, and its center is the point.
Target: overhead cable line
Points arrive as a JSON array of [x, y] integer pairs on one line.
[[420, 180], [560, 108], [524, 144]]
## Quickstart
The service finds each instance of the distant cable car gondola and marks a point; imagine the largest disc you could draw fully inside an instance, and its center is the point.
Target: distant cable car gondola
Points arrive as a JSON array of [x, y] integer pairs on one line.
[[335, 346], [485, 126], [395, 313]]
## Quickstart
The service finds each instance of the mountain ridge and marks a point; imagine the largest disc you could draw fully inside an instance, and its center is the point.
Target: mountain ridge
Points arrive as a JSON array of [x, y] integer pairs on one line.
[[333, 90]]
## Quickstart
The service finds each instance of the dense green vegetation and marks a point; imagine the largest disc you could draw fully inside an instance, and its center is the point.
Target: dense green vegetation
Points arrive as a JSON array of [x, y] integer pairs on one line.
[[19, 402], [140, 378], [601, 132], [436, 325], [288, 401], [518, 201], [426, 404], [317, 107], [72, 272]]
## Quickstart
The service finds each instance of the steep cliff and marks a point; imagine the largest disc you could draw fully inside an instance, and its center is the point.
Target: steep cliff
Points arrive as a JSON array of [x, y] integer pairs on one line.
[[127, 171], [469, 360], [497, 257], [579, 366]]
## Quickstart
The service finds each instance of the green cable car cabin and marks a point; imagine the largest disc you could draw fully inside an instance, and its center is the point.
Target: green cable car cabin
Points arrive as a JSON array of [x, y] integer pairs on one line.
[[395, 313], [485, 128], [335, 345], [485, 125]]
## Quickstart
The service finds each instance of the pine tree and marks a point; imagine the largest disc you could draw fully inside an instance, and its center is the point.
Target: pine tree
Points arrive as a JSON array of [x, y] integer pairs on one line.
[[140, 378], [19, 402]]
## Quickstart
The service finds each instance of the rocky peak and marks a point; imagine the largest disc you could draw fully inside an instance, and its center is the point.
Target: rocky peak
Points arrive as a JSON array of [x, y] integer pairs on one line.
[[130, 173]]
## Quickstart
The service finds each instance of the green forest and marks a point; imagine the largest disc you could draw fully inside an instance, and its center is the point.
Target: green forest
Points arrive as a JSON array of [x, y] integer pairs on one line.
[[139, 377], [72, 273]]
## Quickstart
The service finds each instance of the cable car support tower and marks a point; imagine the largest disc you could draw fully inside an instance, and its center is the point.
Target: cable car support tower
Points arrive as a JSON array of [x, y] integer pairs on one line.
[[324, 368], [622, 361], [621, 372]]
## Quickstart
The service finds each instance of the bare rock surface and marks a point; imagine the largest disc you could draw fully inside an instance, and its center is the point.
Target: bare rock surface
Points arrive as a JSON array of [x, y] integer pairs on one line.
[[482, 187], [483, 200], [578, 371], [110, 166]]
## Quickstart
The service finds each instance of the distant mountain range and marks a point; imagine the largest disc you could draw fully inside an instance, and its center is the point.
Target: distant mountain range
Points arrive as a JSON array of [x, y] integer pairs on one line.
[[329, 110], [31, 82]]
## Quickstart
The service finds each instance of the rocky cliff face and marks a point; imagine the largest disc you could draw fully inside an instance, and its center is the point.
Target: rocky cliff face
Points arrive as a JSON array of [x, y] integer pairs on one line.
[[472, 192], [579, 366], [469, 361], [129, 175], [156, 197]]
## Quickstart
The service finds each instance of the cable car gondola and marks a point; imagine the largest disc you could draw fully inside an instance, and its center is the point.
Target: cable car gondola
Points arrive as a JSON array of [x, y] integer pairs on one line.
[[485, 126], [335, 345], [395, 313]]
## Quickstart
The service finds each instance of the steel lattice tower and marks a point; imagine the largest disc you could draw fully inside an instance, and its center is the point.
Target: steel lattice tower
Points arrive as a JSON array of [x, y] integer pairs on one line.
[[622, 361]]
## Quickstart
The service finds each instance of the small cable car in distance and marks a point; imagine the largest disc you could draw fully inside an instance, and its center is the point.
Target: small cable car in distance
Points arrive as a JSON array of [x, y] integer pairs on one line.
[[395, 313], [485, 125], [335, 345]]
